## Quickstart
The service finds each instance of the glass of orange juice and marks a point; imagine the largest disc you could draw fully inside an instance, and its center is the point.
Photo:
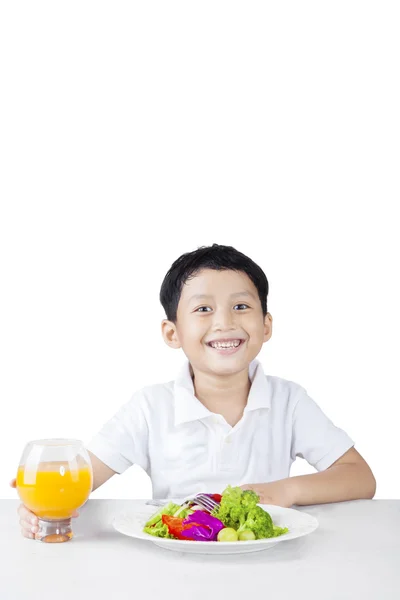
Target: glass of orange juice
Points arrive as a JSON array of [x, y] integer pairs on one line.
[[54, 479]]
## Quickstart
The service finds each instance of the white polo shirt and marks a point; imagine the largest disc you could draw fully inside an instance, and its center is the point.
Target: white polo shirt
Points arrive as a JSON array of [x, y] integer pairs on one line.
[[186, 449]]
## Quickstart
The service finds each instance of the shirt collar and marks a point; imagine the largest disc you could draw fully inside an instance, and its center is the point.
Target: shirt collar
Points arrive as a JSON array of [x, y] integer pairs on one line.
[[189, 408]]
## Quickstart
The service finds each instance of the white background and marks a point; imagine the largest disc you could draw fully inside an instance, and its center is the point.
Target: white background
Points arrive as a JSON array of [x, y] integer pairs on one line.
[[134, 132]]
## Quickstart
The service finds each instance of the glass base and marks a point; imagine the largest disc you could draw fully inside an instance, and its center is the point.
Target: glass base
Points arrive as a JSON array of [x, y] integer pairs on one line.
[[55, 531]]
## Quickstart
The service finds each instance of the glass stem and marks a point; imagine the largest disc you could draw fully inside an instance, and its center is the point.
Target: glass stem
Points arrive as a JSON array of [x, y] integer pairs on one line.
[[55, 531]]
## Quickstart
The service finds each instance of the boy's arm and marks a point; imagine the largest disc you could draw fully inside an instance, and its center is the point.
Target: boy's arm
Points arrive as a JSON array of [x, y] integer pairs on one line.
[[348, 478], [101, 473]]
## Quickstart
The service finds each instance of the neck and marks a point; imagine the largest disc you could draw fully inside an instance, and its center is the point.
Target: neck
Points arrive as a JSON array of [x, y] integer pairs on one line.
[[224, 395]]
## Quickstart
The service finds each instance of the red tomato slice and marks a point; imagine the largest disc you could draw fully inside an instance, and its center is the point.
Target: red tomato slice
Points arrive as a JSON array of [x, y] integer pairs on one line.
[[176, 527], [217, 497]]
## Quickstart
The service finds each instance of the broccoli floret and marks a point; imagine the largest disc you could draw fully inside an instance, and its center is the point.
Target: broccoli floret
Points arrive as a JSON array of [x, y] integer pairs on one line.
[[239, 509], [232, 496], [279, 531], [249, 499], [259, 522], [235, 504], [230, 510]]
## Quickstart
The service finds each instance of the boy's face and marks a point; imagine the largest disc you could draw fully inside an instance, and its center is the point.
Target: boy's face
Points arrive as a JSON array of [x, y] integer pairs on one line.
[[220, 324]]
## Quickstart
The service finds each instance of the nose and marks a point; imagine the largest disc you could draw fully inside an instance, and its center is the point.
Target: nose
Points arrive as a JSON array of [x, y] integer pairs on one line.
[[224, 320]]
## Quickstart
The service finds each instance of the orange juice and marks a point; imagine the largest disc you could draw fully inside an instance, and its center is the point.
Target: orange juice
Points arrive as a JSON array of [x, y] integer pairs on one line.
[[53, 491]]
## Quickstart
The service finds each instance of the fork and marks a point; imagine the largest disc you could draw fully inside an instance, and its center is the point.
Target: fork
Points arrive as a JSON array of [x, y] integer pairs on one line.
[[201, 499]]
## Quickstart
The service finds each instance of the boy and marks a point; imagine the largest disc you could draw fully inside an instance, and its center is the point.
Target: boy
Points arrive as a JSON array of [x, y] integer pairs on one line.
[[223, 421]]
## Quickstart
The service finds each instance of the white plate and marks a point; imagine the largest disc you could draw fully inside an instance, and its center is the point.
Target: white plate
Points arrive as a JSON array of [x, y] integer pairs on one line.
[[298, 523]]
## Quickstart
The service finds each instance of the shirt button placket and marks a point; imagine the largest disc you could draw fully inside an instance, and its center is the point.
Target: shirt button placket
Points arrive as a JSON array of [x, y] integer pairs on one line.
[[226, 462]]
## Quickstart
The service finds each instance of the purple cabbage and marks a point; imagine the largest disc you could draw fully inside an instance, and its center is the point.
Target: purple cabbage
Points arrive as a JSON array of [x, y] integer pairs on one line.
[[205, 527]]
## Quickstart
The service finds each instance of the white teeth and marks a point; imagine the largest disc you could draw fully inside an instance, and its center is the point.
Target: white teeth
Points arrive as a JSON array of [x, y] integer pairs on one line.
[[220, 345]]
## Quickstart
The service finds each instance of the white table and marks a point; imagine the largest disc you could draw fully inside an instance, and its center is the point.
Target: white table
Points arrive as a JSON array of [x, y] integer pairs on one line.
[[354, 554]]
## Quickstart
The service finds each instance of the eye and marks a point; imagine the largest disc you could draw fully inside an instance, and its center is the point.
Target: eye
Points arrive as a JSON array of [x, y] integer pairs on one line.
[[203, 309], [242, 306]]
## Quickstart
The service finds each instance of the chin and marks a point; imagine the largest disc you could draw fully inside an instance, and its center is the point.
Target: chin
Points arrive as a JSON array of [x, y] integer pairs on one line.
[[229, 369]]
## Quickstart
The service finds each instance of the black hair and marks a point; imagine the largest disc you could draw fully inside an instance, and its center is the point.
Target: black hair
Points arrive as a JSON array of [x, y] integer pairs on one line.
[[217, 257]]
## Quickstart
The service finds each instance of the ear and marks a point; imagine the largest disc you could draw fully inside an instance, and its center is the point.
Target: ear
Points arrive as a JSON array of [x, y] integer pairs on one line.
[[170, 334], [267, 327]]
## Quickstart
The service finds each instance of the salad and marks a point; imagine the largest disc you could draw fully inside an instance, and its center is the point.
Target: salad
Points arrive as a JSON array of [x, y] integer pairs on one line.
[[237, 518]]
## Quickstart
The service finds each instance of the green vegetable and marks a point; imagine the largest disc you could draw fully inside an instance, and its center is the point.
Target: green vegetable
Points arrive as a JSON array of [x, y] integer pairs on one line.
[[182, 512], [227, 535], [239, 510], [156, 527], [169, 509], [249, 499], [259, 522], [279, 530], [158, 530], [235, 504]]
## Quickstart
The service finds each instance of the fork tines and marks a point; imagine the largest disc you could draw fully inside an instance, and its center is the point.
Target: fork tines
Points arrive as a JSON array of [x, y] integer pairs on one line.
[[205, 501]]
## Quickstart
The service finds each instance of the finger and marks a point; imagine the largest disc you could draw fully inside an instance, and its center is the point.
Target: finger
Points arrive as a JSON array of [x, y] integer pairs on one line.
[[13, 483], [27, 527], [75, 514], [26, 515]]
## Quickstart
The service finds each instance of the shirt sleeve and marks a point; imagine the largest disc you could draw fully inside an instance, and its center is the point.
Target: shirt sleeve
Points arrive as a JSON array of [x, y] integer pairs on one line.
[[315, 437], [123, 440]]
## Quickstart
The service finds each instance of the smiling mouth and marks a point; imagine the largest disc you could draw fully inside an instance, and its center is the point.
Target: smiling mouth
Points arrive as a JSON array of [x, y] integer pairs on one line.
[[226, 346]]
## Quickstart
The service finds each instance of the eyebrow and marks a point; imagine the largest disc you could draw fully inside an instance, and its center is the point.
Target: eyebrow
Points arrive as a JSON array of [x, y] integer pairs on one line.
[[235, 295]]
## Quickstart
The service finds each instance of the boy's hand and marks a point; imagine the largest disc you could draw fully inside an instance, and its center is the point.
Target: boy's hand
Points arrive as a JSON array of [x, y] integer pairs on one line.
[[29, 521], [279, 493]]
